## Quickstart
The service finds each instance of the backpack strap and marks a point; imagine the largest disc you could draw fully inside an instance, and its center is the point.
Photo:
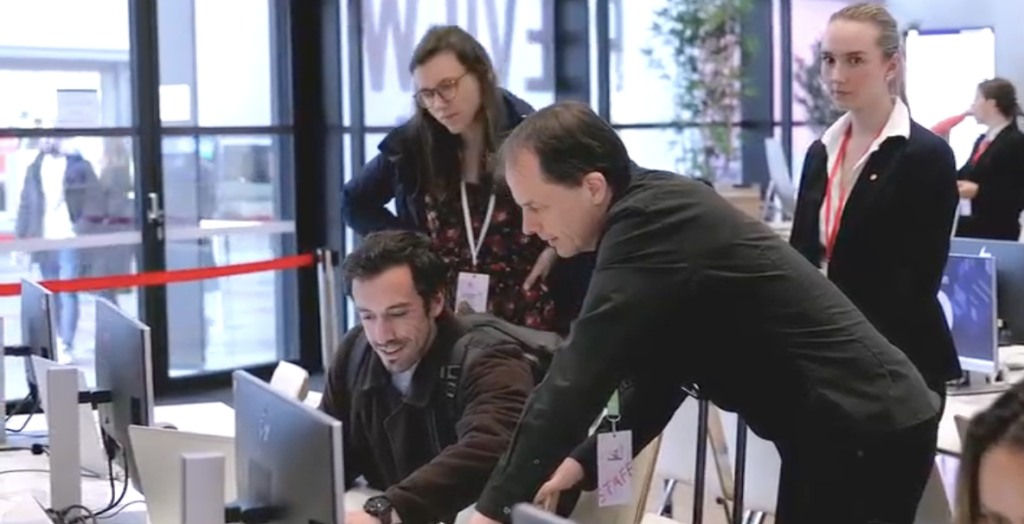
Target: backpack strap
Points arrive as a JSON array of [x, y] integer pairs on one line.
[[355, 360]]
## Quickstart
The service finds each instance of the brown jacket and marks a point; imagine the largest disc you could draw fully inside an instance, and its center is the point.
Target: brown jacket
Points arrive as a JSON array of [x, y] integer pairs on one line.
[[430, 467]]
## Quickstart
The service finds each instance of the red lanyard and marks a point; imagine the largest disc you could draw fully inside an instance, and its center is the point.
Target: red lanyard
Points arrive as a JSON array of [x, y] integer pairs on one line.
[[832, 219], [982, 147]]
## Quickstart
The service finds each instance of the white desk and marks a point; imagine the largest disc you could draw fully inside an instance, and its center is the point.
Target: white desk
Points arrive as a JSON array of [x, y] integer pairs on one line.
[[16, 487], [212, 418]]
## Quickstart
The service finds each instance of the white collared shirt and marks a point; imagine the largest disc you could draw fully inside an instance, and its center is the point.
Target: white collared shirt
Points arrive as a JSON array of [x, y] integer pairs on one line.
[[897, 125], [993, 132]]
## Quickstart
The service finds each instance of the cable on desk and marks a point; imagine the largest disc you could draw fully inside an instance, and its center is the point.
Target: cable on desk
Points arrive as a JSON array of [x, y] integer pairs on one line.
[[114, 503], [119, 510], [29, 399], [73, 514]]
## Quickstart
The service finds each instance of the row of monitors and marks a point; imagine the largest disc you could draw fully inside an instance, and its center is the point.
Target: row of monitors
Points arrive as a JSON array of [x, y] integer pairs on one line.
[[270, 427], [983, 291]]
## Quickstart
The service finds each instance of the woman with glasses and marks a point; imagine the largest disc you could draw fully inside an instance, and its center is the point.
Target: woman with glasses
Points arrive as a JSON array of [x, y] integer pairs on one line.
[[438, 169]]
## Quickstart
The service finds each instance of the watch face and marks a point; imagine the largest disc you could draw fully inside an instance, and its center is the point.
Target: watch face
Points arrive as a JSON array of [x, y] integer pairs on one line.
[[377, 506]]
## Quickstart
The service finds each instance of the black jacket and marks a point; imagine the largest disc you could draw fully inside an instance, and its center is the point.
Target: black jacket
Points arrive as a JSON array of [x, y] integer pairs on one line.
[[690, 290], [893, 242], [999, 173]]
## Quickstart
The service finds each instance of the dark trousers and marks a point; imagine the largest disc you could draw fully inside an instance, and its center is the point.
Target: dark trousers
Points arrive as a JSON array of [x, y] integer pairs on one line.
[[876, 480]]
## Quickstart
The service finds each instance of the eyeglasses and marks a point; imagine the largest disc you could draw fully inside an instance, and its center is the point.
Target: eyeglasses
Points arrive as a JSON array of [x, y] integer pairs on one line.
[[446, 90]]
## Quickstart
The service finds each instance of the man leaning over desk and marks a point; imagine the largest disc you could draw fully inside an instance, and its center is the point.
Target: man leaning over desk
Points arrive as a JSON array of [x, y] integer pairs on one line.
[[428, 442]]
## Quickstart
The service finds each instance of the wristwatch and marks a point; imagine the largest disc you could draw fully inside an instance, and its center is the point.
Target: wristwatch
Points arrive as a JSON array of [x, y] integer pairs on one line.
[[379, 507]]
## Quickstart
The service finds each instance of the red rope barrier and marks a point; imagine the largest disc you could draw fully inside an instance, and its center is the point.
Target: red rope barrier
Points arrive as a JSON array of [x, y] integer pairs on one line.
[[159, 278]]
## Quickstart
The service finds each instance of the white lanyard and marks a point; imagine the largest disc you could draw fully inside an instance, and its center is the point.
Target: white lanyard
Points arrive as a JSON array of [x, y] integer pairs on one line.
[[475, 243]]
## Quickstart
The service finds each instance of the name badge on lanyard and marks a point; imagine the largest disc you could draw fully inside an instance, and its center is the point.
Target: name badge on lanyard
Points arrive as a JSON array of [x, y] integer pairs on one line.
[[472, 287]]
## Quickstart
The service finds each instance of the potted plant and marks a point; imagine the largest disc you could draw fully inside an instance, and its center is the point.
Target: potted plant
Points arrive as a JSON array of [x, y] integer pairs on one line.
[[698, 48]]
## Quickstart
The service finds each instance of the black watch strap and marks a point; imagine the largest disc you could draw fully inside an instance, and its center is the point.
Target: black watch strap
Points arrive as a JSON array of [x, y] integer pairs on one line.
[[379, 507]]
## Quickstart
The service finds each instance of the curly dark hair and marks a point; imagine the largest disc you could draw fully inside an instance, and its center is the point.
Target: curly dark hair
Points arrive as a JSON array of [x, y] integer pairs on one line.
[[385, 250]]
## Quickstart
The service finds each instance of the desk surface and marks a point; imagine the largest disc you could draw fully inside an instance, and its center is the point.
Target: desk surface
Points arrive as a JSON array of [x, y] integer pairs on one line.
[[24, 477], [212, 418]]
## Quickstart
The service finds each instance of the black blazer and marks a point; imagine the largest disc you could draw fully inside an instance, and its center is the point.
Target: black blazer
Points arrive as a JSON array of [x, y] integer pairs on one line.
[[689, 290], [999, 173], [893, 242]]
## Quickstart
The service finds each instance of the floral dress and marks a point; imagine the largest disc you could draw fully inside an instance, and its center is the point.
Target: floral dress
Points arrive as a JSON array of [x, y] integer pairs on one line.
[[507, 255]]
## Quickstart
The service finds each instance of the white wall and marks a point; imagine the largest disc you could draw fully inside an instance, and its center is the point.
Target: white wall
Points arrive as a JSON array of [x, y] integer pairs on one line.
[[1004, 16]]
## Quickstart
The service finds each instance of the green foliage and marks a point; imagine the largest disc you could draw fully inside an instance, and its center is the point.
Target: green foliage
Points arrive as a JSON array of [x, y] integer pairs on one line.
[[812, 93], [698, 48]]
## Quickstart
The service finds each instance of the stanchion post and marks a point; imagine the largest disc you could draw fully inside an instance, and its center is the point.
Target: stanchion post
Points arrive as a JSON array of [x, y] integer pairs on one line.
[[3, 387], [740, 470], [326, 262], [699, 477], [202, 488]]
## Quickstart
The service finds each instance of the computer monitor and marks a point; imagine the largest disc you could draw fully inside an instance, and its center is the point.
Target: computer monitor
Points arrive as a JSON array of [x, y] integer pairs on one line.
[[124, 367], [1009, 279], [968, 297], [38, 317], [288, 455], [529, 514]]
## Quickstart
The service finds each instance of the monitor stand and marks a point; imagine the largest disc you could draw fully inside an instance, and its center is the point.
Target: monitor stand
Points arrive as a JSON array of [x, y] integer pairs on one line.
[[978, 389], [978, 384]]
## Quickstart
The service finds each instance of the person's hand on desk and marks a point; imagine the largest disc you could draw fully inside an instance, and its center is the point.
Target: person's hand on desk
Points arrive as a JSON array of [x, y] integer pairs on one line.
[[566, 477], [967, 189]]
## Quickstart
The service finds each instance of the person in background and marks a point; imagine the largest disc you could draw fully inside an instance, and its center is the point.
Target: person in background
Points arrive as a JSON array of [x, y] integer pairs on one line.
[[59, 200], [990, 484], [117, 214], [878, 196], [437, 168], [992, 181]]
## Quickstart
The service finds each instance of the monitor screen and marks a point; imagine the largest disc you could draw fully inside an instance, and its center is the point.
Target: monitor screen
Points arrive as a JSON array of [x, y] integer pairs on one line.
[[968, 298]]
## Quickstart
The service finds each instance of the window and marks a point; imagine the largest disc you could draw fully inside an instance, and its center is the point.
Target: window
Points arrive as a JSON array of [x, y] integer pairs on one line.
[[213, 77], [638, 93], [654, 148], [65, 63], [669, 149], [222, 204], [809, 19], [615, 39], [371, 141], [71, 71], [518, 35]]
